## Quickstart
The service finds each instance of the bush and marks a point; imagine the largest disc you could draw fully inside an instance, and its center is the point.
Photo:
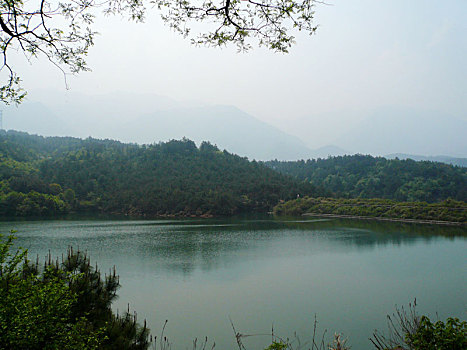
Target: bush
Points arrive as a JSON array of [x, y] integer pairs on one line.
[[65, 305], [408, 331], [451, 335]]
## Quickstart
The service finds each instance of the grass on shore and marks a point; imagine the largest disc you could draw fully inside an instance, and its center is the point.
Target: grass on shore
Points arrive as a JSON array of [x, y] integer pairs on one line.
[[446, 211]]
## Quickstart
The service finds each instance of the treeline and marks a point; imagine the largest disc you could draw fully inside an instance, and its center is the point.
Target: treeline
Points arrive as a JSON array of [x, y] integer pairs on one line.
[[448, 210], [54, 175], [364, 176]]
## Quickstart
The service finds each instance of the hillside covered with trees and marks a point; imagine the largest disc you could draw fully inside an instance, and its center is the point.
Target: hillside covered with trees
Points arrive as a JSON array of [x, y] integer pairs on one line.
[[57, 175], [364, 176]]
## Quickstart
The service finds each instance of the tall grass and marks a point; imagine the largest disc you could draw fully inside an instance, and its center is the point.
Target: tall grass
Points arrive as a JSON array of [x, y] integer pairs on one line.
[[317, 342]]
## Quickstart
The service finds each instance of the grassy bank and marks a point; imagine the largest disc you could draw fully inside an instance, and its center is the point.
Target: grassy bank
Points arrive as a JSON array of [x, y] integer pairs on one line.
[[448, 211]]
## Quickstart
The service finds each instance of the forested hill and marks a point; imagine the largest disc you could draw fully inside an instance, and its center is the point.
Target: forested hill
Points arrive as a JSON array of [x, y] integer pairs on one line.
[[375, 177], [47, 176]]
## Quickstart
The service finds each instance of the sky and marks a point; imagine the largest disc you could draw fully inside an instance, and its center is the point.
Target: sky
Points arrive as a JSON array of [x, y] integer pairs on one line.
[[366, 54]]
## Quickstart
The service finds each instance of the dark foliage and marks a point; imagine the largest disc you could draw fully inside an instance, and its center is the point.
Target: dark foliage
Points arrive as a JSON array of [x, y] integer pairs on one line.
[[361, 176], [409, 331], [62, 305], [449, 335], [47, 176], [448, 210]]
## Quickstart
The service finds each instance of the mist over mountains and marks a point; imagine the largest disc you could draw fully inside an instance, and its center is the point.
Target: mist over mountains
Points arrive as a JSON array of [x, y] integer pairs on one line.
[[441, 159], [151, 118], [407, 131], [147, 118]]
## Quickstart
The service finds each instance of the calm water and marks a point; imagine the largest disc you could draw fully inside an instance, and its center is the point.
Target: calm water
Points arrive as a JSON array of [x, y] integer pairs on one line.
[[259, 272]]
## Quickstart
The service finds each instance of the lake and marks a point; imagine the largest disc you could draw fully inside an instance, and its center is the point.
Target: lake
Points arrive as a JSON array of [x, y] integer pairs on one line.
[[264, 271]]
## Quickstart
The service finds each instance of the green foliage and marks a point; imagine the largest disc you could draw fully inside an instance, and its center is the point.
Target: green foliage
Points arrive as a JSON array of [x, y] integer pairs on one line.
[[408, 331], [36, 310], [361, 176], [54, 175], [37, 315], [65, 305], [31, 204], [448, 210], [451, 335], [10, 264], [277, 346]]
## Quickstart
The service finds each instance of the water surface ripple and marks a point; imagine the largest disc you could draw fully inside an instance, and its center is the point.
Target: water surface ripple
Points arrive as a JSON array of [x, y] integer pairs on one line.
[[263, 271]]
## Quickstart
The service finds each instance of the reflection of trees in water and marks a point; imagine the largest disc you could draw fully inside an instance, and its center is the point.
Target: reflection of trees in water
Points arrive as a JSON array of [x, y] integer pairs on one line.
[[187, 247], [182, 246], [212, 244], [377, 233]]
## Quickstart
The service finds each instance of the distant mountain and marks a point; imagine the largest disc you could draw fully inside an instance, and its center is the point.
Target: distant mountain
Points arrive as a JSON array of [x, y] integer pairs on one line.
[[36, 118], [329, 151], [80, 115], [441, 159], [408, 131], [318, 129], [226, 126], [152, 118]]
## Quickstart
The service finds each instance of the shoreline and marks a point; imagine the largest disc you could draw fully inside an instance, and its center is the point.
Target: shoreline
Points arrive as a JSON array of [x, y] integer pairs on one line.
[[379, 218]]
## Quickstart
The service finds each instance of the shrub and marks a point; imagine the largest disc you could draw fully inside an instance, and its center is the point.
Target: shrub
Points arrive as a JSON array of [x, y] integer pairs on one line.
[[451, 335], [408, 331], [65, 305]]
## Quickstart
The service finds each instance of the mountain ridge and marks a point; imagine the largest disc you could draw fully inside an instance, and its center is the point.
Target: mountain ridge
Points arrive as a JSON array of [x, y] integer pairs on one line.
[[227, 126]]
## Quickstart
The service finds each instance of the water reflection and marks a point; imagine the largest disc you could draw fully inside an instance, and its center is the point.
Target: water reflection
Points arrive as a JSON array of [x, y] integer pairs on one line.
[[197, 273], [381, 231], [182, 246]]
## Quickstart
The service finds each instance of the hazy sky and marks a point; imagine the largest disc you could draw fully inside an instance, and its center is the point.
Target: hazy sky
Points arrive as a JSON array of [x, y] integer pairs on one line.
[[365, 54]]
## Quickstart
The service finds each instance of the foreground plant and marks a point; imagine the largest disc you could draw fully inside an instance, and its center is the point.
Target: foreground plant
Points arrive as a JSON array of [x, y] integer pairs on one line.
[[62, 31], [409, 331], [279, 343], [337, 344], [63, 305], [449, 335]]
